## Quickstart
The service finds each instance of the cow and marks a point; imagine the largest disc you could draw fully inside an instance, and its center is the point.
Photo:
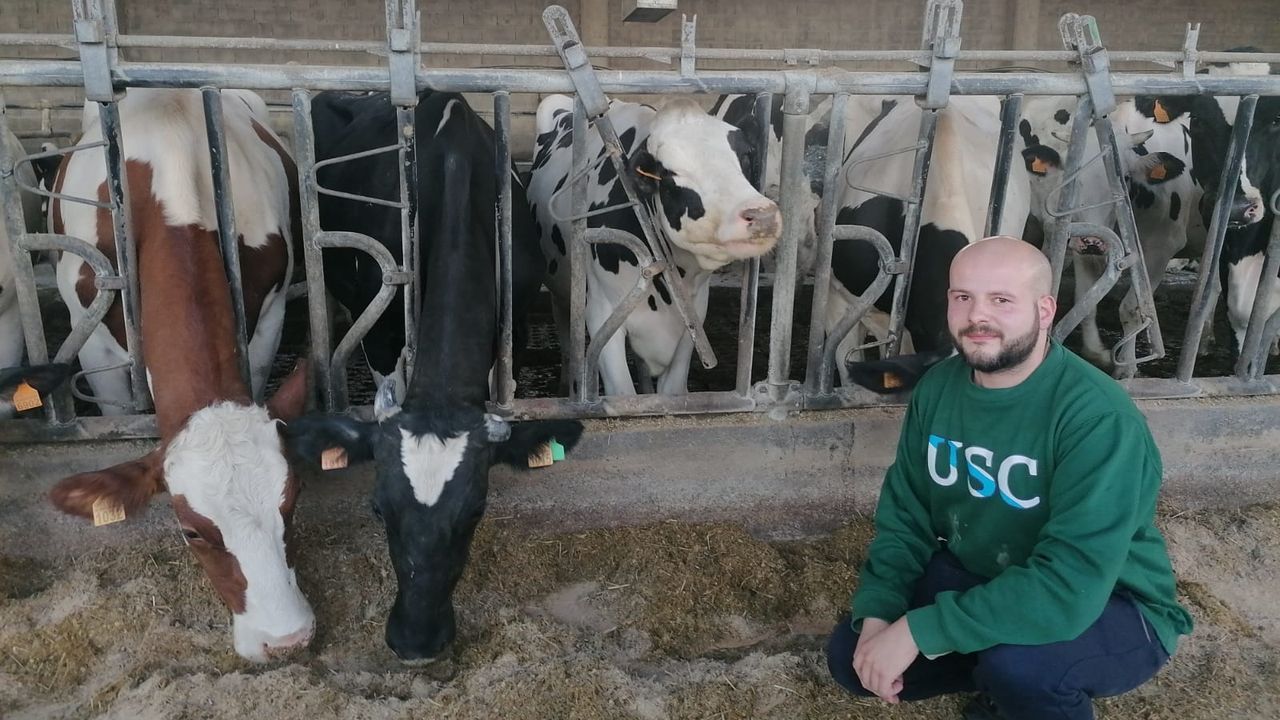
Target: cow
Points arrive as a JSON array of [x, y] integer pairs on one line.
[[953, 214], [1153, 135], [12, 342], [432, 452], [221, 455], [691, 170]]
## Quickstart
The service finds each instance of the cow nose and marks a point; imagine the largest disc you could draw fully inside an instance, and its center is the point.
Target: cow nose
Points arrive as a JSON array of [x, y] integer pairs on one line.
[[762, 220], [289, 643]]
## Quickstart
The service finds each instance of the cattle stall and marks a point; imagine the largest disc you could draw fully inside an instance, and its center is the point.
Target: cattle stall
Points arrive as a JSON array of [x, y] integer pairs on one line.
[[796, 450]]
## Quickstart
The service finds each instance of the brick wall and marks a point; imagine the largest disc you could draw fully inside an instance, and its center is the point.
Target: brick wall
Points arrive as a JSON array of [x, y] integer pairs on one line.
[[825, 24]]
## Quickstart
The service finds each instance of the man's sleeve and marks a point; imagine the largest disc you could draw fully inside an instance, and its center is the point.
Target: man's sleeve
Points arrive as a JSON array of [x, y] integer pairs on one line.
[[904, 539], [1062, 588]]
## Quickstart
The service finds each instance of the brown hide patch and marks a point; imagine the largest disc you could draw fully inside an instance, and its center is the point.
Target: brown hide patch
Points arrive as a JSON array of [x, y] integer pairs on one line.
[[262, 269], [220, 566], [292, 488], [291, 174], [130, 484]]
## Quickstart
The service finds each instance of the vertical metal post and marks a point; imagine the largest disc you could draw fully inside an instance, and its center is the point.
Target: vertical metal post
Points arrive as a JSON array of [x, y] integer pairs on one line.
[[1056, 247], [813, 382], [1253, 356], [584, 389], [748, 298], [403, 43], [795, 112], [502, 160], [304, 150], [60, 409], [126, 251], [1010, 113], [227, 236], [911, 228], [1206, 295]]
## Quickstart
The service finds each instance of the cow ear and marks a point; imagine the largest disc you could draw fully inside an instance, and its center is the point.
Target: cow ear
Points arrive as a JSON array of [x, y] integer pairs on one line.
[[646, 170], [317, 437], [1040, 159], [290, 399], [893, 375], [43, 378], [385, 404], [527, 436], [128, 485], [1161, 167]]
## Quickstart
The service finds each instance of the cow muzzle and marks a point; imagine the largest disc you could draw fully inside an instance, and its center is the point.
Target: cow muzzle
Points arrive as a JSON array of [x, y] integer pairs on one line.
[[752, 229], [1090, 245]]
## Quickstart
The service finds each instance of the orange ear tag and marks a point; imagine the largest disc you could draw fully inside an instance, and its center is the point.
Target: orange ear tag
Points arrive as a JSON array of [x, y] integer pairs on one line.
[[648, 174], [542, 456], [106, 511], [334, 458], [26, 397], [891, 380]]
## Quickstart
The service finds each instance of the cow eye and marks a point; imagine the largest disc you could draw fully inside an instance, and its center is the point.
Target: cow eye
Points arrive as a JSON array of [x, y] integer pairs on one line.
[[190, 534]]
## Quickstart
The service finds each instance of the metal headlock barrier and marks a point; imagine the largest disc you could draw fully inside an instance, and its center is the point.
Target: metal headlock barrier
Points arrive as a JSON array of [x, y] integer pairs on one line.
[[104, 75]]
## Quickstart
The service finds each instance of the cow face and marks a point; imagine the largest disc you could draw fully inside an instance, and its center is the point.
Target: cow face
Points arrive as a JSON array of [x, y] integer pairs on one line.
[[432, 470], [693, 170], [1260, 172], [234, 494]]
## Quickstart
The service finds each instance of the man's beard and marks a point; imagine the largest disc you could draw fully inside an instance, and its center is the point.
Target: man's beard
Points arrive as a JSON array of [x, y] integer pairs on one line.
[[1012, 352]]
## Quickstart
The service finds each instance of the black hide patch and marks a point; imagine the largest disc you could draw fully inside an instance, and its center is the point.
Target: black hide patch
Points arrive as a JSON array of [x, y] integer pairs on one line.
[[660, 284], [678, 202], [558, 240], [1175, 207], [1028, 138], [1140, 196], [1062, 117], [653, 304], [1141, 150], [552, 267]]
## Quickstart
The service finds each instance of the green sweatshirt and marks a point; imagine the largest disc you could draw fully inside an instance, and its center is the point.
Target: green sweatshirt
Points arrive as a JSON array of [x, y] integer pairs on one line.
[[1047, 488]]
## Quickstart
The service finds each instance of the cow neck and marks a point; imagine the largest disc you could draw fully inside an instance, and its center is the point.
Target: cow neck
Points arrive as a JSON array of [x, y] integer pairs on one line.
[[188, 327], [457, 325]]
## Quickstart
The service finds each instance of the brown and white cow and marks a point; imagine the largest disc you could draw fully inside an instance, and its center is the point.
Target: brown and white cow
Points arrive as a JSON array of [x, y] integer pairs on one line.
[[220, 456]]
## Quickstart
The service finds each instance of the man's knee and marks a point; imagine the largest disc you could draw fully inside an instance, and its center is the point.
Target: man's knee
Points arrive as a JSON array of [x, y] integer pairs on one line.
[[840, 649], [1026, 682]]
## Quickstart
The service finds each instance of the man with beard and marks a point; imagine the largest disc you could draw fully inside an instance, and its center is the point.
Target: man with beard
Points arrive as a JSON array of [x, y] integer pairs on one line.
[[1015, 551]]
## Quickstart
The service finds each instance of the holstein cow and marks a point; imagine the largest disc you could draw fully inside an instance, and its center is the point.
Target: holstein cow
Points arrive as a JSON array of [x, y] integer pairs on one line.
[[1153, 135], [954, 212], [221, 455], [691, 169], [433, 453]]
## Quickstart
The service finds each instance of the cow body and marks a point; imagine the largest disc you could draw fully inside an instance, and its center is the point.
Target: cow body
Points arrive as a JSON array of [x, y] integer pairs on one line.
[[221, 457], [953, 214], [691, 170], [433, 451], [1153, 136]]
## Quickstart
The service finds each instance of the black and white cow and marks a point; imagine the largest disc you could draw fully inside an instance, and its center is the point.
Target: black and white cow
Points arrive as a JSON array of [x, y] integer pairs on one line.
[[1251, 213], [433, 452], [1154, 137], [953, 215], [692, 170]]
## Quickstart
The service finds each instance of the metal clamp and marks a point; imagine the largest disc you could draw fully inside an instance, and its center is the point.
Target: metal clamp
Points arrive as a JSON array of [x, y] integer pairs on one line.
[[1080, 33], [403, 41], [942, 38], [95, 33], [1190, 55], [568, 45]]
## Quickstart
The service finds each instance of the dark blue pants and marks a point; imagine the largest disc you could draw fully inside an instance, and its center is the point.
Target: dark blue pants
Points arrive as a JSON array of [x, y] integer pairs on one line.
[[1056, 681]]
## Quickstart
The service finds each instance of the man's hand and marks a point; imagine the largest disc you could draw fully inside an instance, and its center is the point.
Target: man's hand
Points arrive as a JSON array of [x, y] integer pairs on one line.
[[882, 656]]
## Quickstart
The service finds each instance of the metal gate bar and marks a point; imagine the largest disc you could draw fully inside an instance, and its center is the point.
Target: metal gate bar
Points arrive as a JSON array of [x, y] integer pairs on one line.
[[506, 385], [1010, 114], [749, 296]]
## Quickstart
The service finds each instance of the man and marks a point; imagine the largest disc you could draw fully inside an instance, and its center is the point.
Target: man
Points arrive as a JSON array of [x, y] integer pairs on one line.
[[1015, 551]]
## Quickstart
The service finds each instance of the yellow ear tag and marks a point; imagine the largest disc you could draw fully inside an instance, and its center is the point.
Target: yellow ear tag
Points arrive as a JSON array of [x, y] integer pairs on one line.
[[541, 456], [106, 511], [1160, 113], [891, 380], [26, 397], [648, 174], [334, 458], [1039, 166], [1159, 172]]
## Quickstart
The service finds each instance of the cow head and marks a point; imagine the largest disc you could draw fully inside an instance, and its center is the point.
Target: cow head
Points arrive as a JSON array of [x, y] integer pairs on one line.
[[432, 466], [234, 495], [693, 170]]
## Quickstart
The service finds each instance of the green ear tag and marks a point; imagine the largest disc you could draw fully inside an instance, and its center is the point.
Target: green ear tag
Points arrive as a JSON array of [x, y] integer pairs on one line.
[[557, 451]]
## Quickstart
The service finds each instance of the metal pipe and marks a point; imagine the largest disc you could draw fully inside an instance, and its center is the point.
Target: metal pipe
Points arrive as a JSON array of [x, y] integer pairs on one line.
[[649, 268], [749, 296], [304, 150], [1010, 113], [506, 334], [105, 281], [68, 73], [858, 305], [1056, 248], [1253, 356], [407, 143], [228, 239], [911, 227], [583, 388], [1205, 297], [1110, 274], [826, 222], [126, 251], [795, 113]]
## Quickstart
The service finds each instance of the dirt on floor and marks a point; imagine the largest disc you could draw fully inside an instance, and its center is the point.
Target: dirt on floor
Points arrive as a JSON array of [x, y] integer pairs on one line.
[[670, 620]]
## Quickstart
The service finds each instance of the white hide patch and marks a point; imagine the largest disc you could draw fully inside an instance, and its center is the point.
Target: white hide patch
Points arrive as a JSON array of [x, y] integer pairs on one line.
[[430, 462], [229, 465]]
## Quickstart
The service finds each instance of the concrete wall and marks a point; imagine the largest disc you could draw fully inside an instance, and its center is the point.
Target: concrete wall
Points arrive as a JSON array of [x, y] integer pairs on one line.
[[825, 24]]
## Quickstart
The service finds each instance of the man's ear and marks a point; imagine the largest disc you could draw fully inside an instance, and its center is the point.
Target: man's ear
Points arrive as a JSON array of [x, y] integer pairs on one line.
[[527, 436]]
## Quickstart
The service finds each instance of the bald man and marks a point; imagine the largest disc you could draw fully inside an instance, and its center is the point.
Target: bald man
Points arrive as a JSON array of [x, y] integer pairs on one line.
[[1015, 551]]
